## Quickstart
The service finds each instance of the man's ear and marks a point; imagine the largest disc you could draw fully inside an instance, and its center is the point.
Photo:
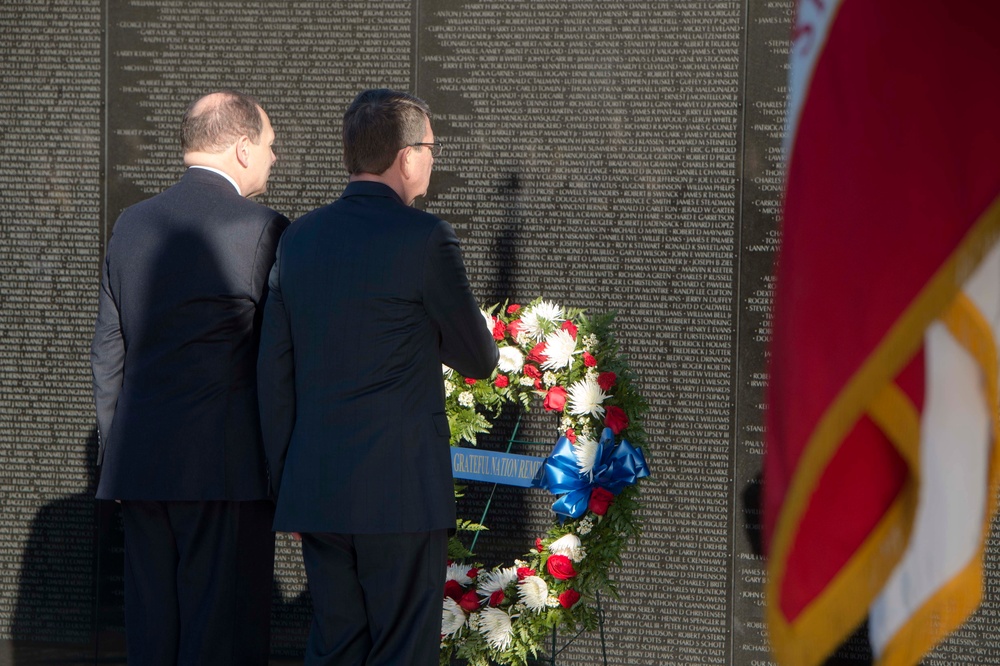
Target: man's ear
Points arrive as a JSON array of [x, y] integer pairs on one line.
[[405, 160], [242, 148]]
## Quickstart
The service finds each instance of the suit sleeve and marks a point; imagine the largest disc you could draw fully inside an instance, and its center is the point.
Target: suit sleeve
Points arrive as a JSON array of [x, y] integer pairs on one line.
[[466, 343], [107, 359], [276, 378], [267, 246]]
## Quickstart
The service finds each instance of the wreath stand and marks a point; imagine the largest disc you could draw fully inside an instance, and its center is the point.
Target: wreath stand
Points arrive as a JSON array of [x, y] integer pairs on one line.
[[555, 651]]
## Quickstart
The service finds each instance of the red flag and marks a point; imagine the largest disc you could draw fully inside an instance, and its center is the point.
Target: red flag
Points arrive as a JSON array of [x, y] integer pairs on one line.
[[890, 207]]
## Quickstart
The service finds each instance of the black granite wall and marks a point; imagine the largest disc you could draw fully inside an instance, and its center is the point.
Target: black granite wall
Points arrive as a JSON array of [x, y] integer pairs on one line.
[[610, 155]]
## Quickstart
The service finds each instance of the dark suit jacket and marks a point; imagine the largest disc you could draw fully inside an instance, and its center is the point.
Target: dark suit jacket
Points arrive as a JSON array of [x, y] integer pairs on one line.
[[175, 348], [368, 298]]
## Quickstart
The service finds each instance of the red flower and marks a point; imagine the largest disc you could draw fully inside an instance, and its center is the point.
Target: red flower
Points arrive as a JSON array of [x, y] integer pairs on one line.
[[538, 384], [501, 381], [538, 545], [469, 601], [571, 435], [512, 308], [590, 362], [470, 381], [524, 572], [472, 573], [600, 500], [569, 598], [569, 327], [555, 399], [614, 418], [537, 353], [496, 598], [531, 371], [499, 329], [560, 567], [606, 380], [514, 328], [453, 589]]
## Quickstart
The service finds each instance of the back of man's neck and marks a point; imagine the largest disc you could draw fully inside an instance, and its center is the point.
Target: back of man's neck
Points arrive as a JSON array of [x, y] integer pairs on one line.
[[379, 178]]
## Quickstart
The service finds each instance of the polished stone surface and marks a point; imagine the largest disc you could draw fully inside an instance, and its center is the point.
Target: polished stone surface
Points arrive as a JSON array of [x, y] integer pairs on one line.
[[27, 653]]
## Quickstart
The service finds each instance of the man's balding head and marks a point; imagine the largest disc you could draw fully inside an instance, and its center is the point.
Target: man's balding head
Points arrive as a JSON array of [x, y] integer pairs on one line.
[[214, 122]]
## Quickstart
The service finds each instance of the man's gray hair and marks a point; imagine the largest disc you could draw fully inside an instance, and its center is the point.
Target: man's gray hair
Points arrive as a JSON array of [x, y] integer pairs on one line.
[[212, 125], [377, 124]]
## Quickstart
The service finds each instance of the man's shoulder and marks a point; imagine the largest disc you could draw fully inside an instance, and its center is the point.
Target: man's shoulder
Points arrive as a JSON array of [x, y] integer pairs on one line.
[[258, 211], [394, 209], [319, 213], [196, 188], [364, 198], [194, 199], [424, 217]]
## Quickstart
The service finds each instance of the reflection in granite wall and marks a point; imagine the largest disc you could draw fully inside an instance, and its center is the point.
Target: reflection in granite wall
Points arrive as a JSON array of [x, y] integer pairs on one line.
[[595, 162], [593, 157], [51, 115], [612, 155]]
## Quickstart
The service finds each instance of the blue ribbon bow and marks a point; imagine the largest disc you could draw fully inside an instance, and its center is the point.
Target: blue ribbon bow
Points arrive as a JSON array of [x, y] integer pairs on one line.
[[615, 467]]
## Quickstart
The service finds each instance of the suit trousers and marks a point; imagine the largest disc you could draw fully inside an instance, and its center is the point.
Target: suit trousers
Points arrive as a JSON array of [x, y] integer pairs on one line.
[[198, 582], [376, 598]]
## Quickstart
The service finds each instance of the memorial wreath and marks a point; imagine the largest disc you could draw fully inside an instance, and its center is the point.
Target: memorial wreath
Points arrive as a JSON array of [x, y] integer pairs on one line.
[[572, 364]]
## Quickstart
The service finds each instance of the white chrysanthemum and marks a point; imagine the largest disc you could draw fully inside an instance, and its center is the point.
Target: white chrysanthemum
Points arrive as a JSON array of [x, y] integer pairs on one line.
[[511, 360], [540, 318], [497, 579], [458, 573], [550, 378], [559, 349], [453, 618], [531, 328], [533, 592], [568, 545], [466, 399], [526, 381], [449, 388], [585, 451], [445, 370], [494, 625], [585, 397], [548, 311]]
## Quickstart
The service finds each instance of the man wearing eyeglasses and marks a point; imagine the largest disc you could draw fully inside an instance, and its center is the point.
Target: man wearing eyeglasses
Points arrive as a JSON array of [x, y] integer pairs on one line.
[[368, 297]]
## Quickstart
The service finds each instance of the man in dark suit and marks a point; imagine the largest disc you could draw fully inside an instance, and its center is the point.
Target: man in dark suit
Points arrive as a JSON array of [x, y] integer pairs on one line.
[[174, 361], [368, 298]]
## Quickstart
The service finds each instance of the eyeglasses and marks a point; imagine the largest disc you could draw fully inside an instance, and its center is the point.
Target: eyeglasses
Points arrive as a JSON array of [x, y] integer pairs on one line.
[[435, 147]]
